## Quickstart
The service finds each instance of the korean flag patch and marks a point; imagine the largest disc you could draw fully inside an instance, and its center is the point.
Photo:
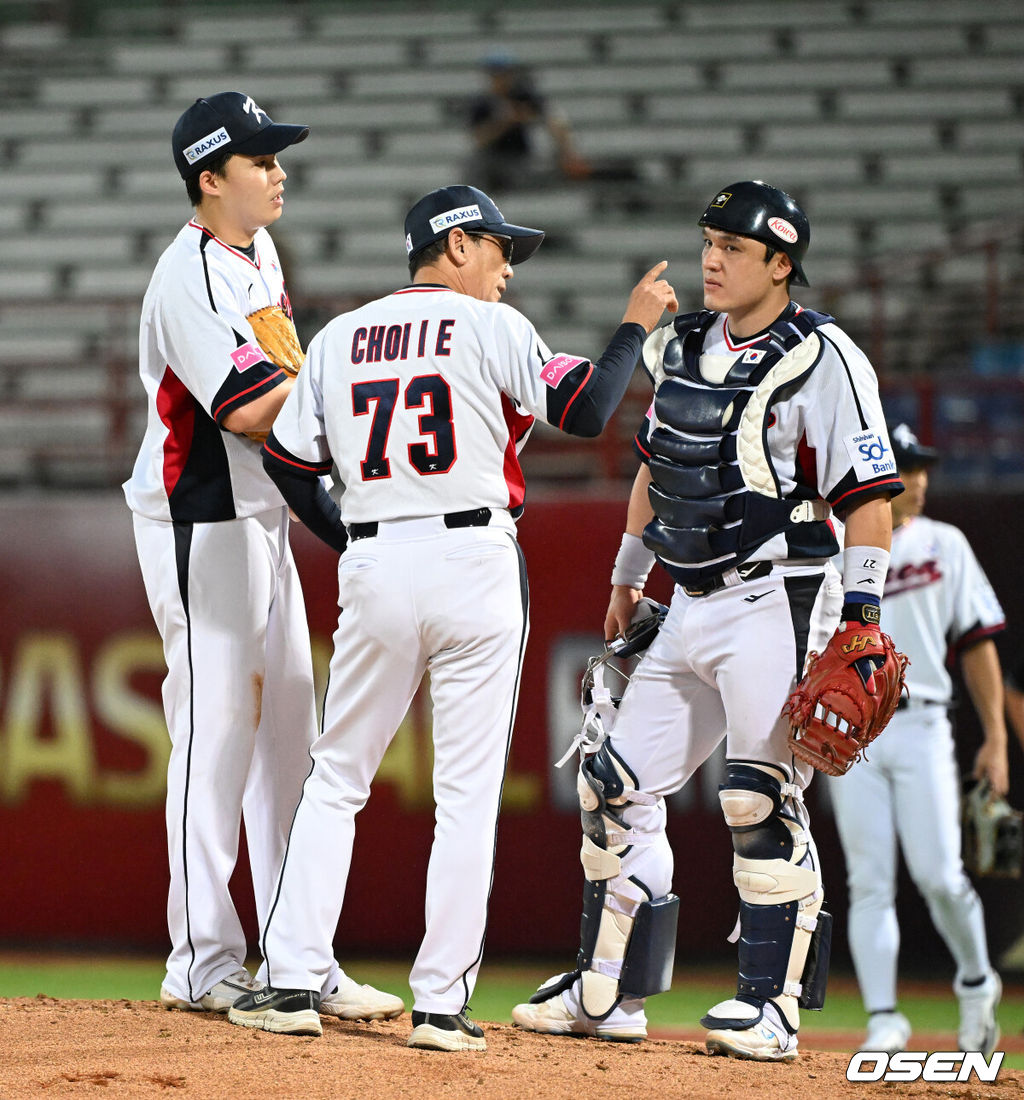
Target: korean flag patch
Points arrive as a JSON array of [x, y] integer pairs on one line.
[[870, 455]]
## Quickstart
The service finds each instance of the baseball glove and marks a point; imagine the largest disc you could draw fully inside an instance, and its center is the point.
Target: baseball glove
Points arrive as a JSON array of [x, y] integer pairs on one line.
[[275, 333], [846, 698], [993, 834]]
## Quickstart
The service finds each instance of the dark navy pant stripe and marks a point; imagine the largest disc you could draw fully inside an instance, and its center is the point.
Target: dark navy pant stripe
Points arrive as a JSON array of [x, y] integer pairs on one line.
[[182, 554]]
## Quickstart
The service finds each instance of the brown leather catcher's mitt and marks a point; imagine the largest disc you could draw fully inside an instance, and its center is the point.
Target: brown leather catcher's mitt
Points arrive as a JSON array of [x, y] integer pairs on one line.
[[846, 698], [275, 333]]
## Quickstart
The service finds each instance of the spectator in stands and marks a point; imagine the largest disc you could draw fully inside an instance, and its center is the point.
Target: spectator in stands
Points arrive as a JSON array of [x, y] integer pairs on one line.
[[503, 123]]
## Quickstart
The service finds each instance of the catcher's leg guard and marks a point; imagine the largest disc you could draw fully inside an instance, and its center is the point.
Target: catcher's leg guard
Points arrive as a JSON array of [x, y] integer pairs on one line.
[[784, 940], [627, 936]]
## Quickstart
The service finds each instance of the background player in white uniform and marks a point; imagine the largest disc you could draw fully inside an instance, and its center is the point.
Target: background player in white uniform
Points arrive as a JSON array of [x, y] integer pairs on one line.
[[212, 535], [905, 794], [422, 399], [764, 417]]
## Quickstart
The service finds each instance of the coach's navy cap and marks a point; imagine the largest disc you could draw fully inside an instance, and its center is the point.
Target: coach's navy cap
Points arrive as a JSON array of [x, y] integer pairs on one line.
[[468, 208], [910, 454], [228, 121]]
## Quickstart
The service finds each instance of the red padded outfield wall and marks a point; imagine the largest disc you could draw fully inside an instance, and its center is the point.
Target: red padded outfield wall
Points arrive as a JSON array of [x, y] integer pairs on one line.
[[83, 750]]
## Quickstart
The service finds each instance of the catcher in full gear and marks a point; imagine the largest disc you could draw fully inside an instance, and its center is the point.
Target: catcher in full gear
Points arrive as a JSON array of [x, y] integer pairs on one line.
[[765, 419]]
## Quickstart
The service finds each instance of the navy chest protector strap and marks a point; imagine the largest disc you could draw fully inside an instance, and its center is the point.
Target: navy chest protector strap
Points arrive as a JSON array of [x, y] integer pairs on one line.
[[707, 506]]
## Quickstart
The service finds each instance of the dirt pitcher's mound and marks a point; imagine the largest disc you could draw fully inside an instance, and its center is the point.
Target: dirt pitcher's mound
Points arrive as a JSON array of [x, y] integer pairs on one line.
[[132, 1049]]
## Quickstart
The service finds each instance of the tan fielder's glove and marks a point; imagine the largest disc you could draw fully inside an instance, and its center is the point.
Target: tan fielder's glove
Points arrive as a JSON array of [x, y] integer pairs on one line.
[[275, 333], [846, 698], [993, 834]]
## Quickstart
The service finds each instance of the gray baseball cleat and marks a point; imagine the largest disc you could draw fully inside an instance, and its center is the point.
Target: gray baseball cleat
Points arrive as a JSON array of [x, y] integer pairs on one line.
[[219, 998]]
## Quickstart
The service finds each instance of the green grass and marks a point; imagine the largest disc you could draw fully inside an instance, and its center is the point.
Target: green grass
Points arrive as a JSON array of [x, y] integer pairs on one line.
[[930, 1006]]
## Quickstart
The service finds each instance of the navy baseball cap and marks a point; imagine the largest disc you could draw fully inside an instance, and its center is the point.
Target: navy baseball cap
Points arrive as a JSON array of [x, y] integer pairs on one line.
[[228, 121], [470, 209], [910, 454]]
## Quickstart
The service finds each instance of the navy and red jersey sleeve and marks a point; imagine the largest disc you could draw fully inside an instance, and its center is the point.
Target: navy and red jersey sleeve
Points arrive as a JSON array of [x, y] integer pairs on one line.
[[241, 387], [304, 492], [587, 394], [276, 455], [849, 491]]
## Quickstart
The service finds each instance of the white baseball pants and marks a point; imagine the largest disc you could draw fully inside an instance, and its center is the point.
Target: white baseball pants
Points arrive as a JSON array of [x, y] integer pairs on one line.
[[240, 710], [415, 598]]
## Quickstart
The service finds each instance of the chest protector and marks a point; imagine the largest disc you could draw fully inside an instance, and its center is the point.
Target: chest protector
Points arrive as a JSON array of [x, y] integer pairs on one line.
[[714, 490]]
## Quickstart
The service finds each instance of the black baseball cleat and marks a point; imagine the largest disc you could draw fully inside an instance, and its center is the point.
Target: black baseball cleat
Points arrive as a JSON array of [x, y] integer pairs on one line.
[[287, 1011], [434, 1031]]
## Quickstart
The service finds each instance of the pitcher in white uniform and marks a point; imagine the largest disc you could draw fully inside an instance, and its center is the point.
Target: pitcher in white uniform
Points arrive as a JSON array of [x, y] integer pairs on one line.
[[905, 794], [212, 536], [421, 401]]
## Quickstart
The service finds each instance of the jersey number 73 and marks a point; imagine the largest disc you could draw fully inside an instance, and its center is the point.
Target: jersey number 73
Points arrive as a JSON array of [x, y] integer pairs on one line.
[[429, 391]]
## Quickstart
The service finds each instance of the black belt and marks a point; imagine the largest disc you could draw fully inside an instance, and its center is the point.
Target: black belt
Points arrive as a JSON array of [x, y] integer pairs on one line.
[[747, 572], [473, 517]]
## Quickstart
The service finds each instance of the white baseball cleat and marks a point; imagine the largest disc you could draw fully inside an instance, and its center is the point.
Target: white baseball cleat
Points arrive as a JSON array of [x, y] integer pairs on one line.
[[888, 1031], [979, 1029], [441, 1031], [562, 1015], [764, 1039], [351, 1001], [219, 998]]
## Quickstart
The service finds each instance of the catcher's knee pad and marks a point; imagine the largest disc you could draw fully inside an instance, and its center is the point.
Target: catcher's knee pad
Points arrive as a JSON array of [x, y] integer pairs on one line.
[[627, 937], [784, 939]]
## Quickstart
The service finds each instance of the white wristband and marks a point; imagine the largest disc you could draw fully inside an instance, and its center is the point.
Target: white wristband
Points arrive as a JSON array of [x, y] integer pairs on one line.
[[633, 562], [864, 569]]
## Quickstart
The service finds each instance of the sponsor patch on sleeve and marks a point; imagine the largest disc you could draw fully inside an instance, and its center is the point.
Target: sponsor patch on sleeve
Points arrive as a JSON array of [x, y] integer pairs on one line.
[[248, 355], [556, 369], [869, 454]]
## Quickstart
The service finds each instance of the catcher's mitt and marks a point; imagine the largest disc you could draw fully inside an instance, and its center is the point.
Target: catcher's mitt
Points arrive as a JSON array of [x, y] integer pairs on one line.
[[275, 333], [846, 698], [993, 834]]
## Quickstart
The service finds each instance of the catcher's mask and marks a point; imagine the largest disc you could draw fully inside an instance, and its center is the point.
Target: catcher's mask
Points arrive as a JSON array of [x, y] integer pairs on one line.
[[755, 209]]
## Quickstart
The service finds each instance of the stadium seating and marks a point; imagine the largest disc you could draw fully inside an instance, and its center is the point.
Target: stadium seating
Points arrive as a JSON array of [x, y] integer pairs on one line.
[[898, 124]]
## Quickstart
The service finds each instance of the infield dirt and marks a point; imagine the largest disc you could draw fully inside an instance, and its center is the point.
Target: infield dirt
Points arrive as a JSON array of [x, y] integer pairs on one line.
[[109, 1049]]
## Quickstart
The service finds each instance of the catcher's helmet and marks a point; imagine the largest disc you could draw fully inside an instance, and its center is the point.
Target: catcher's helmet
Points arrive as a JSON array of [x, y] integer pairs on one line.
[[754, 209]]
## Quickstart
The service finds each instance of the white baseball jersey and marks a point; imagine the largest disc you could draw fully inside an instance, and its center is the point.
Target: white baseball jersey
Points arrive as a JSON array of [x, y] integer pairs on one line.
[[905, 793], [418, 403], [211, 531], [199, 360], [937, 598], [422, 401]]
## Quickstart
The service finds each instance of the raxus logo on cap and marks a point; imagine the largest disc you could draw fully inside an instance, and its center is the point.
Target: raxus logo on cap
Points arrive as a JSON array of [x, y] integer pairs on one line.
[[436, 214], [229, 121], [455, 217]]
